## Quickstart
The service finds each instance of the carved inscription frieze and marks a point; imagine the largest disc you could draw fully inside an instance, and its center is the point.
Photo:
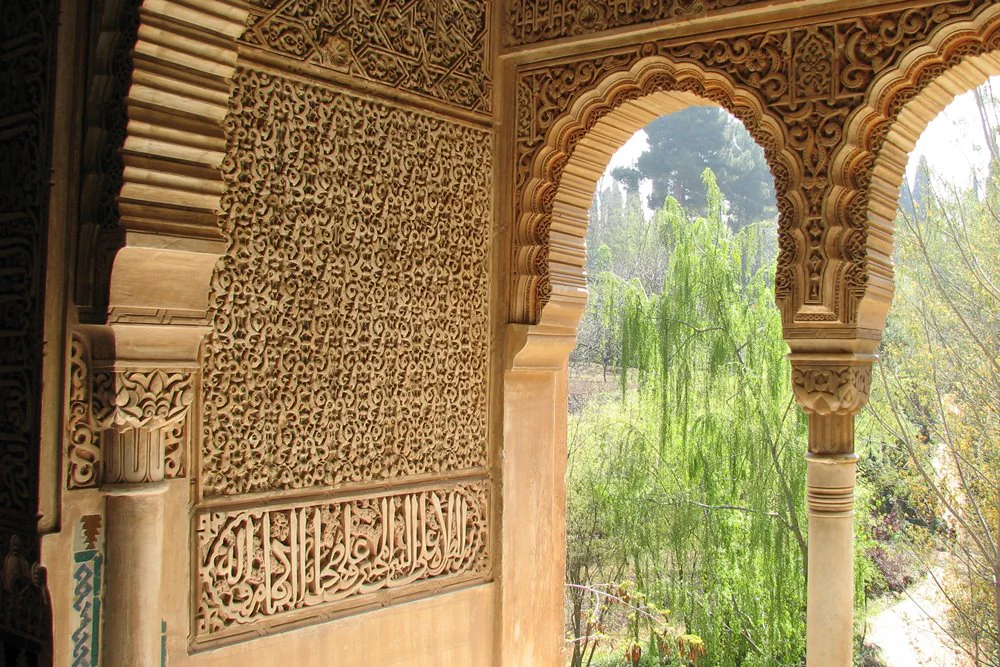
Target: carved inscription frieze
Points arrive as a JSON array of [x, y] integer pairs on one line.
[[809, 78], [28, 35], [436, 48], [350, 338], [531, 21], [259, 566]]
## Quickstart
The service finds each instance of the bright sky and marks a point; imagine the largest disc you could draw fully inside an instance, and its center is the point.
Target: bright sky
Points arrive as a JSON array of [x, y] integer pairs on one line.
[[953, 143]]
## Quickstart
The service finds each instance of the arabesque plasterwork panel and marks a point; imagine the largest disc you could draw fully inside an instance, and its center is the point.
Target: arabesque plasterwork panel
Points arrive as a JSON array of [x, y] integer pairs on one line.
[[272, 565], [350, 314], [808, 80], [531, 21], [436, 48]]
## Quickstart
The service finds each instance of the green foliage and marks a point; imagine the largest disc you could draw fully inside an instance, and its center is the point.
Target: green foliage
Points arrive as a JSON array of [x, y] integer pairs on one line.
[[685, 143], [691, 485], [934, 415]]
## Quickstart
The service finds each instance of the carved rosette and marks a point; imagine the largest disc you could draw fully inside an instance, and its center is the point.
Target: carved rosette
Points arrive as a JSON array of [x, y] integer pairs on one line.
[[831, 391]]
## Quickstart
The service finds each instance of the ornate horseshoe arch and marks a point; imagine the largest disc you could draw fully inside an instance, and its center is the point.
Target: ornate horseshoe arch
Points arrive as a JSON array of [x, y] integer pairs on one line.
[[553, 199], [870, 166]]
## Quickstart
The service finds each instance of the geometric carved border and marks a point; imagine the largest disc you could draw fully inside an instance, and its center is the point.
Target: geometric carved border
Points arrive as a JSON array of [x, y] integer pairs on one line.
[[439, 50], [530, 22], [262, 568]]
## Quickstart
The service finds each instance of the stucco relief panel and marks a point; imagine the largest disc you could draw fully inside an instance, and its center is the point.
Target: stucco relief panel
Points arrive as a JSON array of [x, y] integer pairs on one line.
[[530, 21], [350, 315], [435, 48], [276, 564]]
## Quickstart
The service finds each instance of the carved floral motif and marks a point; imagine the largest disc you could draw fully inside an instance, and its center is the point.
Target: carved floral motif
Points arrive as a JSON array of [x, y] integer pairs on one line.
[[141, 398], [84, 453], [104, 406], [351, 330], [437, 48], [831, 389], [264, 565], [810, 78]]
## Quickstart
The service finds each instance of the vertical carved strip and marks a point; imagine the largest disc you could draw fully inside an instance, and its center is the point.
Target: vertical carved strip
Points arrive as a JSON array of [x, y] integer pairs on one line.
[[84, 455]]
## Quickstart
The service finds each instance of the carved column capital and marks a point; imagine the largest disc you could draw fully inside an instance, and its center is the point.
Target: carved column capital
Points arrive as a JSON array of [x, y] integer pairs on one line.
[[831, 389], [831, 386], [141, 399], [140, 412]]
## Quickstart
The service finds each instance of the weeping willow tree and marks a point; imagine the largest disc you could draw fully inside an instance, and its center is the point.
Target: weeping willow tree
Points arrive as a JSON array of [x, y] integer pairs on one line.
[[694, 479]]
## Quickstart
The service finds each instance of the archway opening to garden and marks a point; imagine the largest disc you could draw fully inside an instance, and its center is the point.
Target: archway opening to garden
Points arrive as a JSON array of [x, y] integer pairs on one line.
[[685, 478], [928, 525]]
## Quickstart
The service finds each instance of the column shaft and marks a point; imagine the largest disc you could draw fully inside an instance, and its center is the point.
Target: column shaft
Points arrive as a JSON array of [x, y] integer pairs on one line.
[[134, 551], [830, 607]]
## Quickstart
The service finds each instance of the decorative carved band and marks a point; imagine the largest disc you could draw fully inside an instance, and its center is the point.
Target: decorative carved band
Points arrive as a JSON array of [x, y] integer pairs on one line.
[[830, 502], [830, 484], [439, 50], [84, 450], [831, 388], [276, 565], [831, 391], [530, 21]]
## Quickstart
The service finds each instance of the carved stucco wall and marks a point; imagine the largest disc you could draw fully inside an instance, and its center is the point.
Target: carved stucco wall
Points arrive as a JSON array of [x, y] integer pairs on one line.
[[348, 360], [532, 21], [27, 34]]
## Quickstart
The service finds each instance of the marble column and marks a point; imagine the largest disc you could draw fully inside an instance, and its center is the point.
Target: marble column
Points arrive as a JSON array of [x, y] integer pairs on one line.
[[831, 390]]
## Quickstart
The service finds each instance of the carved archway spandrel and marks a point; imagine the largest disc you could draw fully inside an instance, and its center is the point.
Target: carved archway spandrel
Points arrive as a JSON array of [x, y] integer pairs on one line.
[[809, 81], [603, 101]]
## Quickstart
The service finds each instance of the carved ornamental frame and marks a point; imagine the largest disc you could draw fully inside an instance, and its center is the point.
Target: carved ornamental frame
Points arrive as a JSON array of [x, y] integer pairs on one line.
[[836, 141]]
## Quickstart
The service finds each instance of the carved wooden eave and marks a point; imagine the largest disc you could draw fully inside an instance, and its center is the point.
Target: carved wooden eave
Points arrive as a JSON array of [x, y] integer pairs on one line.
[[184, 59]]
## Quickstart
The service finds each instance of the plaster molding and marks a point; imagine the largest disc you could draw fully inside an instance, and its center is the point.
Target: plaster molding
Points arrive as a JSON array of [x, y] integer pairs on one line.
[[174, 144]]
